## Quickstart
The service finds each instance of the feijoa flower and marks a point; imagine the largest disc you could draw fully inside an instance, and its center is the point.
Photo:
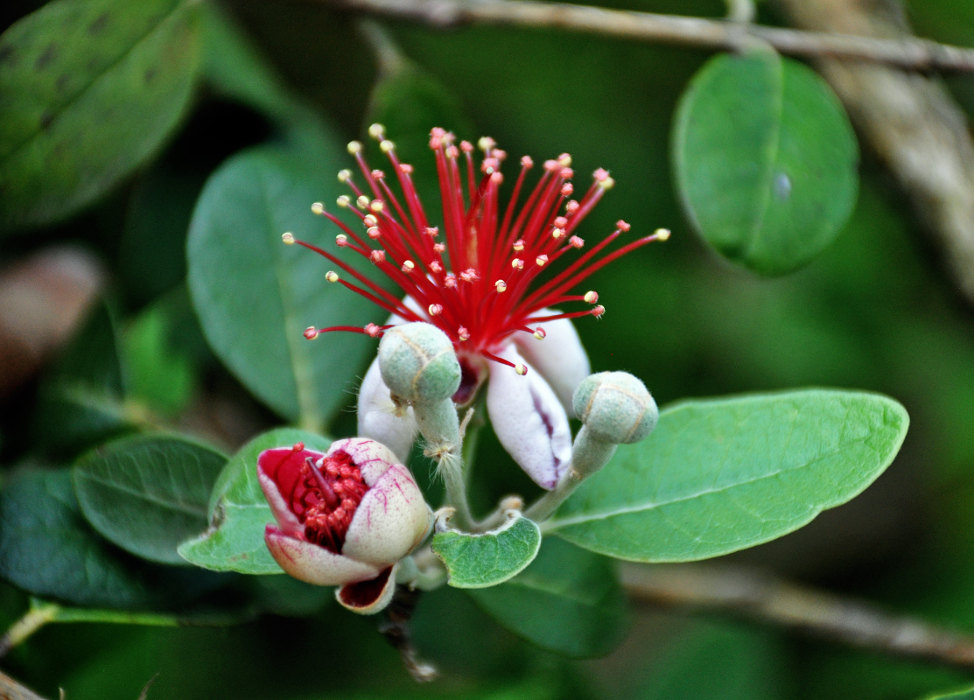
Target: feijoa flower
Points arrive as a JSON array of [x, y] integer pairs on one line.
[[490, 277], [345, 517]]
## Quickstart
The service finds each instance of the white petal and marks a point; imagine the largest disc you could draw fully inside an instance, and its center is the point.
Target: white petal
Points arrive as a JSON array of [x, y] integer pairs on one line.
[[313, 564], [369, 597], [377, 417], [370, 456], [390, 521], [560, 357], [529, 420]]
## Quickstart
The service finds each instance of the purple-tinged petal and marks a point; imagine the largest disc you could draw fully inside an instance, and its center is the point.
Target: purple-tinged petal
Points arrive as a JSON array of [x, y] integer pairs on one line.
[[529, 421], [378, 416], [559, 357], [313, 564], [390, 521], [369, 597]]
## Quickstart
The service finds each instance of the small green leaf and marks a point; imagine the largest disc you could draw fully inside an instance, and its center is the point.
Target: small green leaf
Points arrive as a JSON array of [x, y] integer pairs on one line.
[[409, 102], [48, 549], [722, 475], [286, 596], [233, 67], [148, 493], [161, 355], [52, 612], [568, 600], [742, 662], [238, 510], [255, 296], [81, 400], [765, 160], [89, 89], [490, 558]]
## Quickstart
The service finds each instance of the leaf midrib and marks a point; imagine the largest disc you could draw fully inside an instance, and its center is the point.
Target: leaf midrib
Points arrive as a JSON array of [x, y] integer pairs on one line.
[[177, 506], [302, 366], [555, 524]]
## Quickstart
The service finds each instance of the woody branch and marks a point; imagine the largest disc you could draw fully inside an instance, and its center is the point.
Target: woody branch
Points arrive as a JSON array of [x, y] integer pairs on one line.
[[911, 53]]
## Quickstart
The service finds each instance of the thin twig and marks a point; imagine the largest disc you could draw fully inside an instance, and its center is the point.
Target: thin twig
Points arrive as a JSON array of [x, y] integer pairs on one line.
[[10, 689], [911, 53], [33, 620], [753, 594], [395, 627]]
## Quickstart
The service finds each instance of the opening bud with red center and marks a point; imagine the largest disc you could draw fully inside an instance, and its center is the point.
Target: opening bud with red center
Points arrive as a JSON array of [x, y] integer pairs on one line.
[[344, 517]]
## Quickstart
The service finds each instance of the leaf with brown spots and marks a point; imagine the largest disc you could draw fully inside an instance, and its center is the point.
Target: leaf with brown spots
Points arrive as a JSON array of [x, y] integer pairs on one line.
[[80, 115]]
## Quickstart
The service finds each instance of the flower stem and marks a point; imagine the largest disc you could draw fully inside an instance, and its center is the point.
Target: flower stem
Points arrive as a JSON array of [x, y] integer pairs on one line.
[[33, 620], [540, 510], [451, 469]]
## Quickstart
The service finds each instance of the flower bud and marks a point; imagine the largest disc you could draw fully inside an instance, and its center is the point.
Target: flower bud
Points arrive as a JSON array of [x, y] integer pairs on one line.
[[380, 419], [344, 517], [615, 407], [418, 363]]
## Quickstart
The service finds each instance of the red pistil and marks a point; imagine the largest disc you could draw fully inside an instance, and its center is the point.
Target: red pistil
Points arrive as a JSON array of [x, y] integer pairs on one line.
[[479, 280]]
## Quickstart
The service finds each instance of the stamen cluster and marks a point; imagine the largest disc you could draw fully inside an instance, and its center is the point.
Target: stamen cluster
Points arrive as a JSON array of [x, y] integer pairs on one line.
[[325, 498], [480, 278]]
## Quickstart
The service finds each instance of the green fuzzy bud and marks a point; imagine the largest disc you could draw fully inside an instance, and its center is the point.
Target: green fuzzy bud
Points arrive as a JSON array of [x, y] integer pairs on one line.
[[418, 363], [615, 407]]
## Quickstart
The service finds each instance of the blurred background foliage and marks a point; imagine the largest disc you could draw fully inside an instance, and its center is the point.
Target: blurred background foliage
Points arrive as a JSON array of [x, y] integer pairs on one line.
[[876, 311]]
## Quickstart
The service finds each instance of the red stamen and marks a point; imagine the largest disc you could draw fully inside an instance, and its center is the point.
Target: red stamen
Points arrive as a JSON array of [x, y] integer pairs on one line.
[[477, 282], [326, 496]]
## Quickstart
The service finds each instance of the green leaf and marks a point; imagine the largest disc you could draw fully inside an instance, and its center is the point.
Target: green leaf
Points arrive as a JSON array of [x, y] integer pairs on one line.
[[44, 612], [162, 348], [568, 600], [238, 510], [286, 596], [742, 662], [255, 296], [148, 493], [720, 475], [81, 400], [490, 558], [89, 89], [963, 694], [234, 68], [48, 549], [409, 102], [765, 160]]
